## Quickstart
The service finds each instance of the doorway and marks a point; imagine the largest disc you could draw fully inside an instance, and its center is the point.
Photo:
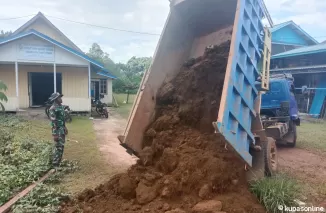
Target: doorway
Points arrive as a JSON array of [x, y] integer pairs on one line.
[[41, 86], [95, 90]]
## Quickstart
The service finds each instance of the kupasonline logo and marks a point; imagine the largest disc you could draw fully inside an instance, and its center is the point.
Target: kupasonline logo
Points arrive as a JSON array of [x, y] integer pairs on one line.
[[301, 209]]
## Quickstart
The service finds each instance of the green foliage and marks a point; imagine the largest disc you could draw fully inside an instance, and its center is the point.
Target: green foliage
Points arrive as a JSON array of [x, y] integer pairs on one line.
[[4, 34], [24, 160], [3, 97], [276, 191], [42, 199], [11, 121], [129, 75], [21, 163], [46, 197]]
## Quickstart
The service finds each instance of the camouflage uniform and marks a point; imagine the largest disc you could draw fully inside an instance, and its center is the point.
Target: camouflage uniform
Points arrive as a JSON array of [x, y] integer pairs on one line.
[[57, 116]]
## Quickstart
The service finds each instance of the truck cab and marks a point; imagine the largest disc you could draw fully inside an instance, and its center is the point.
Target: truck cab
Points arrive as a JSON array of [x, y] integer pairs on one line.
[[279, 110], [280, 92]]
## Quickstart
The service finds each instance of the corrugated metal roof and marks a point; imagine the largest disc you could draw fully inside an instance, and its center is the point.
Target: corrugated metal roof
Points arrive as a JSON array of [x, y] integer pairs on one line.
[[279, 26], [299, 29], [299, 68], [302, 51], [47, 38], [106, 74]]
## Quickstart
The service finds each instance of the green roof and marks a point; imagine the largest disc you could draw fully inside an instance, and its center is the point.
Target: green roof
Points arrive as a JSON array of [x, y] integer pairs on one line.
[[302, 51]]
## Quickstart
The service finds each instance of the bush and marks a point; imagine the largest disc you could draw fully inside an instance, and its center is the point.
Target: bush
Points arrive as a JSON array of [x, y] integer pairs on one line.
[[24, 160], [276, 191], [21, 163], [42, 199]]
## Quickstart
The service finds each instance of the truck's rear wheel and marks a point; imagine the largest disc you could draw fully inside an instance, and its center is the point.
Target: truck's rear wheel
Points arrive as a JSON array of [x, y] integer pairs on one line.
[[270, 157]]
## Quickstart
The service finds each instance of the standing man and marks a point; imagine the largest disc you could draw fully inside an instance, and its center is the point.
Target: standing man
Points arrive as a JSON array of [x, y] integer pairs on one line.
[[59, 130]]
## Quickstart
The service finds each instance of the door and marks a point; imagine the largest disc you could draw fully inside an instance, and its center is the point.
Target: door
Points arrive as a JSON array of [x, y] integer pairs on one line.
[[30, 88], [41, 86], [95, 90]]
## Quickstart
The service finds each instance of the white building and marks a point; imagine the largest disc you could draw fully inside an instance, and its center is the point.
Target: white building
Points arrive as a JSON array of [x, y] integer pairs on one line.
[[38, 59]]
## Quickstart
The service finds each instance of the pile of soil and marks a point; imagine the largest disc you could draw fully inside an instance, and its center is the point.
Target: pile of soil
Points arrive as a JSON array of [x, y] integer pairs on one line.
[[184, 166]]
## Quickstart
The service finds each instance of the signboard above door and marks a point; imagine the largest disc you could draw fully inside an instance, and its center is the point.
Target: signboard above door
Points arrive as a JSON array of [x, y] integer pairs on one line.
[[35, 52]]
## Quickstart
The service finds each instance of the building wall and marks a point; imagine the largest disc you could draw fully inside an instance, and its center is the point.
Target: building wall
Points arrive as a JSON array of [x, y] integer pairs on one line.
[[43, 27], [75, 88], [289, 36], [7, 75], [108, 96], [280, 48], [8, 53], [316, 59], [74, 85]]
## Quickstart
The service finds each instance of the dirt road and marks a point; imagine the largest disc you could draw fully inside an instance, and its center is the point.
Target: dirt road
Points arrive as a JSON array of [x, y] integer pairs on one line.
[[309, 167], [107, 131]]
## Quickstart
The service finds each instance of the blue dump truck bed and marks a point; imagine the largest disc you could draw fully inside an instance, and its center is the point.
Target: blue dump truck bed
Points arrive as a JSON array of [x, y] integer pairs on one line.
[[237, 108], [191, 27]]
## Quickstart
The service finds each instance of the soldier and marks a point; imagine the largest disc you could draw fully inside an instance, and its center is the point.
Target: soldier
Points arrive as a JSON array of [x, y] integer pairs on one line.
[[59, 130]]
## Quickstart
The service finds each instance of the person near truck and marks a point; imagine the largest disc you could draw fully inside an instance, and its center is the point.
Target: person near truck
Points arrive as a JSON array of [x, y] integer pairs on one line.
[[59, 130]]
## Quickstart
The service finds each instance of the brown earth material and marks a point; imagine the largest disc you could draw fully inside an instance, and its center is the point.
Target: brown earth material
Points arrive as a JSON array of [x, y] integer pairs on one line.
[[208, 206], [183, 159]]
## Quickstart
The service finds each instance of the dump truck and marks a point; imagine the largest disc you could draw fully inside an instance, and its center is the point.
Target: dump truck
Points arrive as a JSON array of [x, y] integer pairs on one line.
[[191, 27], [279, 110]]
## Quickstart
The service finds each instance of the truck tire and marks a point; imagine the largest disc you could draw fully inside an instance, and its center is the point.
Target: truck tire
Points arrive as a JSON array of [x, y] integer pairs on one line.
[[294, 135], [270, 157]]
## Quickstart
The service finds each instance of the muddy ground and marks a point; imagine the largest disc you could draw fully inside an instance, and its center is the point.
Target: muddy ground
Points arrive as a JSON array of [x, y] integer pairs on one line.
[[309, 168], [183, 166]]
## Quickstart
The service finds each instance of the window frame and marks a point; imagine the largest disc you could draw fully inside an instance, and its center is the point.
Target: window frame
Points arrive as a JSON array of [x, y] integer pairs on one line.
[[103, 86]]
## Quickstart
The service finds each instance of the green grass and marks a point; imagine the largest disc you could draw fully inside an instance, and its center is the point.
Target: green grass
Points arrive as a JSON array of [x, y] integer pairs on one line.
[[276, 191], [93, 169], [312, 136], [124, 109]]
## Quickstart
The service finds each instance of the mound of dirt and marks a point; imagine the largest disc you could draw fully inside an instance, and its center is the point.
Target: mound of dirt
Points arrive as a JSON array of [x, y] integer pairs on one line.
[[184, 166]]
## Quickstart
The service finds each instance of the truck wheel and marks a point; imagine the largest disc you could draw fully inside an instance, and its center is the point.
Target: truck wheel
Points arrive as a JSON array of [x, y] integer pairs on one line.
[[294, 134], [270, 157]]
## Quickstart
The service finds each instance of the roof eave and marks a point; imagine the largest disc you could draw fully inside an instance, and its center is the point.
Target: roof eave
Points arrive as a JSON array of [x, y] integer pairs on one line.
[[106, 75], [297, 54], [40, 15], [54, 42]]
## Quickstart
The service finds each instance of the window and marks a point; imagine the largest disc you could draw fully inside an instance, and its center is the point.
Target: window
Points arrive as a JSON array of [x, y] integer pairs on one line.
[[103, 86]]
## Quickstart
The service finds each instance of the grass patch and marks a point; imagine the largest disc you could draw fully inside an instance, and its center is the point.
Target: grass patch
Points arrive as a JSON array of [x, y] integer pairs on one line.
[[276, 191], [312, 136], [124, 109], [42, 199], [93, 168], [24, 158]]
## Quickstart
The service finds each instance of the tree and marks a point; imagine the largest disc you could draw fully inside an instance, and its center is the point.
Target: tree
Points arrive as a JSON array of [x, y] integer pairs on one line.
[[4, 34], [129, 75], [132, 73], [3, 97], [96, 53]]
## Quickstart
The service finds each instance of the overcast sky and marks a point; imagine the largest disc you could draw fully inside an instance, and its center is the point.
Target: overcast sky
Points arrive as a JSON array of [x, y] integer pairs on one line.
[[139, 15]]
